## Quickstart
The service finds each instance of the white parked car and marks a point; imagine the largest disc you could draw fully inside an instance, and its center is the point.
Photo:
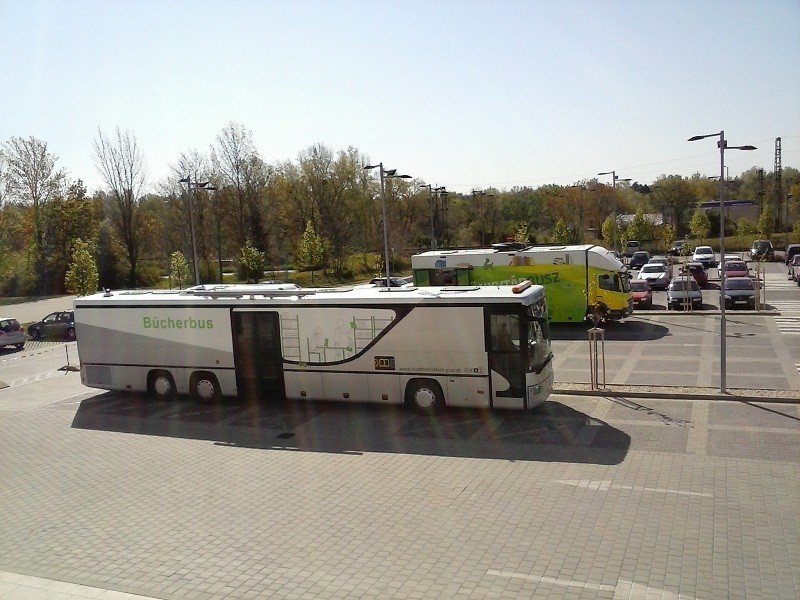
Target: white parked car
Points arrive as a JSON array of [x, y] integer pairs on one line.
[[11, 333], [705, 256], [682, 292], [656, 275]]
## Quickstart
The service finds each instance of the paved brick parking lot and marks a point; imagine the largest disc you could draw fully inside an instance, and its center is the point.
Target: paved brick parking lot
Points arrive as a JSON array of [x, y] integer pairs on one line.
[[589, 498]]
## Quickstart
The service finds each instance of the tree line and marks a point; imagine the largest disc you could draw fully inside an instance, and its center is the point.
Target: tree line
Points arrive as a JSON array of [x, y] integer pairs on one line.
[[228, 205]]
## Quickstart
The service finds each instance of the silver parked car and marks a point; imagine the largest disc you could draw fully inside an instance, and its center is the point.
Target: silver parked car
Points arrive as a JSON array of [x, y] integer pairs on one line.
[[682, 292], [11, 333], [656, 275]]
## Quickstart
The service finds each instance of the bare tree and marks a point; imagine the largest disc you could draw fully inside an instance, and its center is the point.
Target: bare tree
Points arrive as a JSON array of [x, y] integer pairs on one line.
[[192, 204], [122, 166], [3, 177], [32, 177], [236, 162]]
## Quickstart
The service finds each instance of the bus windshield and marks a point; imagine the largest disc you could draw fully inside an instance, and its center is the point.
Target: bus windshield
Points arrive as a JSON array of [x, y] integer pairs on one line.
[[538, 344]]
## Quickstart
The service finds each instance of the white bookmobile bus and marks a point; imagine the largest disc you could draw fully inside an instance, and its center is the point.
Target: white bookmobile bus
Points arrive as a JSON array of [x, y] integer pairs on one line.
[[427, 347]]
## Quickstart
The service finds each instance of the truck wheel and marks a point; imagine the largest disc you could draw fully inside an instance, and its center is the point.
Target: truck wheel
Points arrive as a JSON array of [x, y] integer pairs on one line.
[[425, 396], [161, 385], [71, 333], [205, 387]]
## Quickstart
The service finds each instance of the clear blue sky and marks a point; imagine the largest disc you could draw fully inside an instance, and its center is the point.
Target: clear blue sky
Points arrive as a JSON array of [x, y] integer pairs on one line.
[[469, 94]]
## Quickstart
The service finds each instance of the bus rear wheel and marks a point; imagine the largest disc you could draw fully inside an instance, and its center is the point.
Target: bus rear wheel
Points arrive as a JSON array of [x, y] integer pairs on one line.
[[161, 385], [205, 387], [425, 396]]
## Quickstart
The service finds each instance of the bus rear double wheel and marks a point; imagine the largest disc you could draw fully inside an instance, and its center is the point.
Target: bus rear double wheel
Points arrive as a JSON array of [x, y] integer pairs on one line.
[[425, 396], [204, 387]]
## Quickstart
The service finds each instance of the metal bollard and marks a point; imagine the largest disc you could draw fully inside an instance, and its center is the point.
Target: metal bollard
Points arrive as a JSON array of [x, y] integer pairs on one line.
[[597, 359]]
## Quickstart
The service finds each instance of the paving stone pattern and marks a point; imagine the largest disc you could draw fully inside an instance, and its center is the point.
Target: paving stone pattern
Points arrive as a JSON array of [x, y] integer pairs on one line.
[[589, 498]]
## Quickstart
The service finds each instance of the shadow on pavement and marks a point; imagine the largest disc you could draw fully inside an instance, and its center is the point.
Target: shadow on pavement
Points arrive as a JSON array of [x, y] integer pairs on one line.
[[553, 432], [626, 331]]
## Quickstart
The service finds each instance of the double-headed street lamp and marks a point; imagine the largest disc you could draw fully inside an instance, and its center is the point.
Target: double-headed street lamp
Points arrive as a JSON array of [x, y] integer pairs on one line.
[[614, 180], [386, 174], [212, 188], [722, 144], [189, 186]]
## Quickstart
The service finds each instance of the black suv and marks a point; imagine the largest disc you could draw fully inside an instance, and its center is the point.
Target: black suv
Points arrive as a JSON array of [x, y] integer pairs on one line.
[[639, 259], [762, 250]]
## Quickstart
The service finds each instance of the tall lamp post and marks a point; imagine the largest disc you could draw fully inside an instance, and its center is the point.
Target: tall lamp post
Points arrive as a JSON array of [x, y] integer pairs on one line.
[[385, 174], [212, 188], [614, 180], [722, 144], [189, 186]]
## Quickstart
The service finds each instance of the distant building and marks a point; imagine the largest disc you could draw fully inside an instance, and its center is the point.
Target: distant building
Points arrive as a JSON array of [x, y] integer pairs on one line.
[[734, 209], [655, 219]]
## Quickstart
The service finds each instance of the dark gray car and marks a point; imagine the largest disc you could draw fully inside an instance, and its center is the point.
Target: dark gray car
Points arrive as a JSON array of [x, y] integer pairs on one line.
[[639, 259], [58, 324], [740, 293]]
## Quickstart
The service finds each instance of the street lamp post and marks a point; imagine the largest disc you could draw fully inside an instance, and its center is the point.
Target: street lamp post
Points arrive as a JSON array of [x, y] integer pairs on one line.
[[722, 144], [614, 180], [189, 185], [385, 174], [212, 188]]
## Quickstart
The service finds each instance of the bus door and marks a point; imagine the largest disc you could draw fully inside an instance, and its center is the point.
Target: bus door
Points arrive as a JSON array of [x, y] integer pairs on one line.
[[257, 354], [506, 354]]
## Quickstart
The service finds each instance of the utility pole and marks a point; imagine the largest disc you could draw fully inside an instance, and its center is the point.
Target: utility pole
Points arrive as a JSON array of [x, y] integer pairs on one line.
[[780, 222]]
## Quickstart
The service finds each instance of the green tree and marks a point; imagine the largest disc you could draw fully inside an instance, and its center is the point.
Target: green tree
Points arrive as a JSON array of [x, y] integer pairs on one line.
[[745, 227], [699, 225], [673, 195], [82, 276], [668, 233], [522, 235], [252, 263], [608, 230], [639, 228], [561, 233], [178, 268], [310, 250], [65, 220], [765, 221]]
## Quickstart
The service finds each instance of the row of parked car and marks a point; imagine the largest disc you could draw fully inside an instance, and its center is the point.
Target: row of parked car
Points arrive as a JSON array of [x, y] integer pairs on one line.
[[684, 290], [59, 324]]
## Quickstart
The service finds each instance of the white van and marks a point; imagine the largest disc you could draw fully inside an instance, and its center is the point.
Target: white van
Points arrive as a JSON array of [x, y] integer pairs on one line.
[[632, 246]]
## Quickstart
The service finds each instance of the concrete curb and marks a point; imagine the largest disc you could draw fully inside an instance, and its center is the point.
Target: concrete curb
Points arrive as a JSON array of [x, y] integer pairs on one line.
[[669, 395], [706, 312]]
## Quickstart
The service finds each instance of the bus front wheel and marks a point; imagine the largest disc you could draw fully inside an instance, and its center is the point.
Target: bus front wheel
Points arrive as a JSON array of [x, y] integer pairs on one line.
[[205, 387], [425, 396], [161, 385]]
